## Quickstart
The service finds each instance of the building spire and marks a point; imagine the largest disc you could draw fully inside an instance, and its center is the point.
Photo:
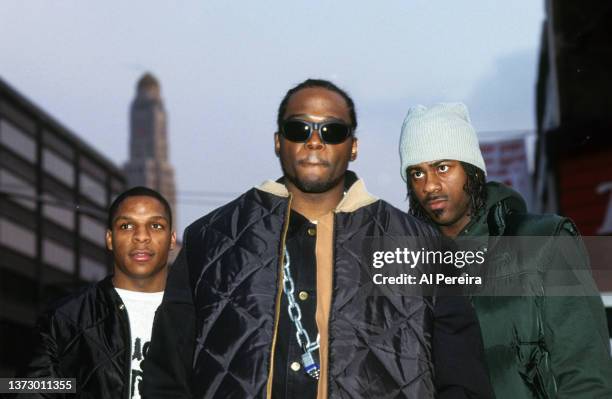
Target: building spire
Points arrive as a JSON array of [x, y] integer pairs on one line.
[[148, 163]]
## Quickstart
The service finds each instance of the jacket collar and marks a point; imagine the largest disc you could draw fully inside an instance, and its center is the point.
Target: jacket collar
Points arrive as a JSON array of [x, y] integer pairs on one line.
[[491, 221], [356, 195], [107, 287], [107, 282]]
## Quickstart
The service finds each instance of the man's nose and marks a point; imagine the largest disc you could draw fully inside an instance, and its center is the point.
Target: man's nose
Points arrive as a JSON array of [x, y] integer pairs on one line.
[[432, 183], [315, 142], [142, 234]]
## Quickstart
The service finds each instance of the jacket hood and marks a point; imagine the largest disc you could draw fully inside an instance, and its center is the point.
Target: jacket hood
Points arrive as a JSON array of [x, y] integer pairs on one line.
[[501, 201], [498, 194]]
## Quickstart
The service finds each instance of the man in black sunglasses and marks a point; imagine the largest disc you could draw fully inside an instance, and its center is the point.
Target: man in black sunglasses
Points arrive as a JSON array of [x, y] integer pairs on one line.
[[270, 297]]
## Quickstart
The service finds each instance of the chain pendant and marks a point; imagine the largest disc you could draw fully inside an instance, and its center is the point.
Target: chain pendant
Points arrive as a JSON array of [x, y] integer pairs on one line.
[[295, 315], [310, 366]]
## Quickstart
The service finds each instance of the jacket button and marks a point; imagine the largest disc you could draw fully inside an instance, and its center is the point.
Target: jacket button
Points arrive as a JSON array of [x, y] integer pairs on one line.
[[295, 366], [311, 231], [121, 307], [303, 295]]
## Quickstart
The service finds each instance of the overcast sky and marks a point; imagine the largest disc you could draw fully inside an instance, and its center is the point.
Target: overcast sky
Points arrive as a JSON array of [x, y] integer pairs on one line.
[[224, 67]]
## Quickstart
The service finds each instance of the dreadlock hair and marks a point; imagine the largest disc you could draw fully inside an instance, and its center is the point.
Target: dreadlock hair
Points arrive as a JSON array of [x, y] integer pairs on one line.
[[311, 83], [474, 188]]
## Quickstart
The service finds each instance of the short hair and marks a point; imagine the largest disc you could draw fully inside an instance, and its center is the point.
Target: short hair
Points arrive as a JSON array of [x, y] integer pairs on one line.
[[475, 187], [313, 83], [138, 191]]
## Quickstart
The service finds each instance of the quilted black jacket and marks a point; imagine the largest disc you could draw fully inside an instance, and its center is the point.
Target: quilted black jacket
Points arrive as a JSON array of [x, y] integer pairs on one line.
[[86, 336], [213, 334]]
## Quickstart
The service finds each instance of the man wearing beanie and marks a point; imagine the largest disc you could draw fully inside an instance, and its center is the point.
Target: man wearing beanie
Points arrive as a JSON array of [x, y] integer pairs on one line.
[[539, 343]]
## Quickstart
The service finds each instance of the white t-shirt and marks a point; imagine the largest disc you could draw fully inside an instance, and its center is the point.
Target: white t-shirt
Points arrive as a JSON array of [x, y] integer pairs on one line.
[[141, 307]]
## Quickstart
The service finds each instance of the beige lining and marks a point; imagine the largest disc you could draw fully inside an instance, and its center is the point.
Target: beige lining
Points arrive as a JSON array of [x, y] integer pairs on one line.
[[324, 253], [272, 187], [356, 197]]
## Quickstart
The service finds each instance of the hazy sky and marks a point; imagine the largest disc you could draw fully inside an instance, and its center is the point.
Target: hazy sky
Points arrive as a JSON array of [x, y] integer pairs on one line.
[[224, 67]]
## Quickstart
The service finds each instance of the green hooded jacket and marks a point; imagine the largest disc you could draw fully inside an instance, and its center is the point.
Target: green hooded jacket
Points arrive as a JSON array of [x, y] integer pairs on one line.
[[538, 344]]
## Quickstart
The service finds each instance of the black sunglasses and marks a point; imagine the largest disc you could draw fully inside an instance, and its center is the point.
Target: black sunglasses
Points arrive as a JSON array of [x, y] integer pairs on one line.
[[331, 132]]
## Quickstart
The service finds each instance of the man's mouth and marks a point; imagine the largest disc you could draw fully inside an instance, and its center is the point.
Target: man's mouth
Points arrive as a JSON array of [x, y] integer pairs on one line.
[[437, 203], [141, 255], [312, 161], [312, 164]]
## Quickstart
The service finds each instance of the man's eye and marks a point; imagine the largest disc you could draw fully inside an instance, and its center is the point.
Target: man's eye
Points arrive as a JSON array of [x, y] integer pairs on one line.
[[443, 168], [417, 174], [157, 226], [125, 226]]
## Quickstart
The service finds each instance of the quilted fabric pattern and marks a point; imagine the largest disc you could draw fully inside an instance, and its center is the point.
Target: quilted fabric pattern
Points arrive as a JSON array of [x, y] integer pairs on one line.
[[85, 336], [380, 345], [235, 287], [375, 341]]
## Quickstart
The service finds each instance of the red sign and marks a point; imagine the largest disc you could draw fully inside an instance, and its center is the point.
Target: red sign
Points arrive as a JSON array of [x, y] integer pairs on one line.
[[506, 162], [585, 191], [585, 195]]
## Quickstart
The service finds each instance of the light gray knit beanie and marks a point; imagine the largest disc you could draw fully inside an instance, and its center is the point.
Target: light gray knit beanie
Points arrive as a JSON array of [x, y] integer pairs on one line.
[[443, 131]]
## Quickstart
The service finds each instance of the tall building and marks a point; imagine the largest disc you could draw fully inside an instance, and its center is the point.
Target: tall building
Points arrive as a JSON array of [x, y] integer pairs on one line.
[[54, 193], [148, 164], [573, 114], [574, 157]]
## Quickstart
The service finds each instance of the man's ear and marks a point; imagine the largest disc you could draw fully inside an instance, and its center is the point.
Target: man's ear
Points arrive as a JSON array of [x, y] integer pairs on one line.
[[173, 240], [109, 240], [277, 144], [354, 149]]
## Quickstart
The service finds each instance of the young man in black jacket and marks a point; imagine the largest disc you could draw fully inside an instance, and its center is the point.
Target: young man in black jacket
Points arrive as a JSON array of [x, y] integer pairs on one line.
[[271, 295], [101, 334]]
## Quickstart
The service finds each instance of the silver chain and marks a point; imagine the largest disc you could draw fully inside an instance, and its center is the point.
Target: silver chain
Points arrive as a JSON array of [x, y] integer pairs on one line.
[[295, 314]]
